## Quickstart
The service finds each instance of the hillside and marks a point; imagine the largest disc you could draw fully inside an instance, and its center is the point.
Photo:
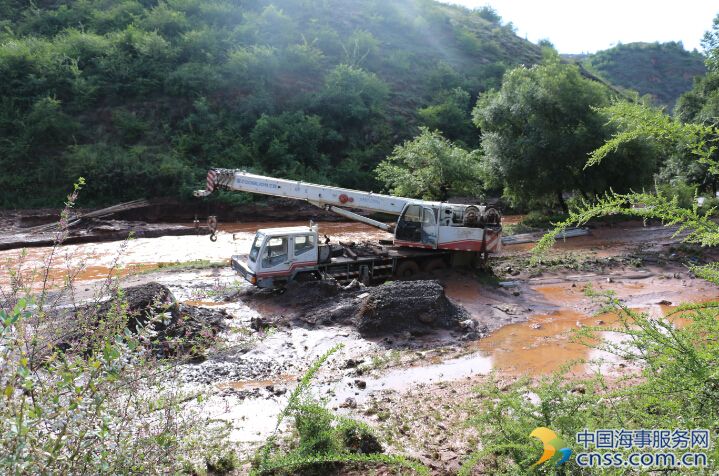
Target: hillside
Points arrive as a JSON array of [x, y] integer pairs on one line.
[[141, 97], [663, 70]]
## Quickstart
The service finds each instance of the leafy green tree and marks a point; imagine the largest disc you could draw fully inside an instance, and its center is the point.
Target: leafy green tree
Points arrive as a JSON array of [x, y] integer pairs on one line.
[[431, 167], [489, 14], [289, 144], [710, 43], [538, 129], [351, 95], [700, 105], [451, 115]]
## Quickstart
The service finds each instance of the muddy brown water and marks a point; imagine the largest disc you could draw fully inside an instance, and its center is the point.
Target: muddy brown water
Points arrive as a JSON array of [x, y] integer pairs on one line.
[[535, 346]]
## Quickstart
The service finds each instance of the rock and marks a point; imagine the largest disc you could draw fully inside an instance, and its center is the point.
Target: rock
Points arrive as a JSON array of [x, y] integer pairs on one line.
[[536, 325], [258, 324], [359, 440], [144, 303], [352, 363], [361, 384], [354, 284], [600, 322], [349, 403], [664, 302]]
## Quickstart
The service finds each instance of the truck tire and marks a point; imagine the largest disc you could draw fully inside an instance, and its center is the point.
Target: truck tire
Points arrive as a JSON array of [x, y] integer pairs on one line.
[[434, 265], [407, 269]]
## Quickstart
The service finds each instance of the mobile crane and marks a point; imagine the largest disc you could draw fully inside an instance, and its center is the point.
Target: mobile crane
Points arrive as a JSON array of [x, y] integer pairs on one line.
[[427, 235]]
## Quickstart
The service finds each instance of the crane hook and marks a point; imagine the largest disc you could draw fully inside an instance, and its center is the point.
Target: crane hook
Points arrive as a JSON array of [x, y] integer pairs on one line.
[[212, 225]]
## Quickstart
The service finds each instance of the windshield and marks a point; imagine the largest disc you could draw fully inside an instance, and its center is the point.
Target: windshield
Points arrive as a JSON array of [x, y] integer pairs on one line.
[[259, 238]]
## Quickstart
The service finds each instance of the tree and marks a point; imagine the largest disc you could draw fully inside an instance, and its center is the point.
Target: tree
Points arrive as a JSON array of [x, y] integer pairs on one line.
[[710, 42], [489, 14], [288, 144], [351, 94], [700, 106], [451, 115], [428, 167], [538, 129]]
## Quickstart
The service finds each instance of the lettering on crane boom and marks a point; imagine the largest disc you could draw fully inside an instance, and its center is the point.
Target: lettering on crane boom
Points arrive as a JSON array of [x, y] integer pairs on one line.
[[241, 180]]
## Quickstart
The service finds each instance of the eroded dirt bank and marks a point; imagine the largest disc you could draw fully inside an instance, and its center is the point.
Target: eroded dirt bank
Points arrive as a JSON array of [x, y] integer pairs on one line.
[[407, 382]]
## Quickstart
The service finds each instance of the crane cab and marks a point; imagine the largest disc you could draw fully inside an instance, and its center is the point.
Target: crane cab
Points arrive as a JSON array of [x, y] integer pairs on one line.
[[278, 254], [439, 225]]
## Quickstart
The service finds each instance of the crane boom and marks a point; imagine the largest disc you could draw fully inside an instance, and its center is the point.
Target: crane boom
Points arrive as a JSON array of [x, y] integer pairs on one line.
[[323, 196], [420, 223]]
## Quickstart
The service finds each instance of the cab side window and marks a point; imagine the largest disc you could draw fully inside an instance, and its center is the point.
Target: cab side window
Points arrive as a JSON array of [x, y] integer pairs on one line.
[[428, 216], [303, 244], [275, 252], [413, 214]]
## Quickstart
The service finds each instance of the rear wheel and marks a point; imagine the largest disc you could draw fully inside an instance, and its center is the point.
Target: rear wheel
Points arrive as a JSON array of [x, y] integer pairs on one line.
[[434, 265], [406, 269]]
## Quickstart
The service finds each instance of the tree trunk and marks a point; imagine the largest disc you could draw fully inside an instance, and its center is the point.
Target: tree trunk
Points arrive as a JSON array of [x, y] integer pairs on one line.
[[561, 201]]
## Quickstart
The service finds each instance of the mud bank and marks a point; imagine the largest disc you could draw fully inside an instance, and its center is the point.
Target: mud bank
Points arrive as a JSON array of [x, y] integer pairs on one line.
[[97, 231]]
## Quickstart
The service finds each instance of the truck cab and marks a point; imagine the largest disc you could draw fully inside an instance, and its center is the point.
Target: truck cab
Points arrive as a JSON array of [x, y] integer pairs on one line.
[[277, 255]]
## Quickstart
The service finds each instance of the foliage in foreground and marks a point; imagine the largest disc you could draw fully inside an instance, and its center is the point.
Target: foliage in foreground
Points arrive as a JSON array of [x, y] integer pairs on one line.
[[322, 439], [674, 381], [103, 404]]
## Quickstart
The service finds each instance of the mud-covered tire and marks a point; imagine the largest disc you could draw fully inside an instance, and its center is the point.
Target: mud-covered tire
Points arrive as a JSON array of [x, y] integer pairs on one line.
[[306, 276], [434, 265], [407, 269]]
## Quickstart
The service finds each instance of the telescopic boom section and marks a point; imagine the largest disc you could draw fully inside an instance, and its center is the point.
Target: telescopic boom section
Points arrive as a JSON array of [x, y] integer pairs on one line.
[[323, 196]]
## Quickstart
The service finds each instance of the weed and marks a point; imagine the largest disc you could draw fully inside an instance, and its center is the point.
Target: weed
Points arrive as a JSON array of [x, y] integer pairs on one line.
[[322, 438]]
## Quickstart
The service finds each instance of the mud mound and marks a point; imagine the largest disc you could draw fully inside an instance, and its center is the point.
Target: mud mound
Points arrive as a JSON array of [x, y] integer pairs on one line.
[[415, 306], [144, 303], [173, 329]]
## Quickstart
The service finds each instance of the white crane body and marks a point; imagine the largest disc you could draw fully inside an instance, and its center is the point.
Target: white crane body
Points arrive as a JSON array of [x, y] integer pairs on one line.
[[425, 230]]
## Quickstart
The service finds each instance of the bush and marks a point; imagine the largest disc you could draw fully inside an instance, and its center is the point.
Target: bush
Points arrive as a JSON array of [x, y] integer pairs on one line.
[[683, 193]]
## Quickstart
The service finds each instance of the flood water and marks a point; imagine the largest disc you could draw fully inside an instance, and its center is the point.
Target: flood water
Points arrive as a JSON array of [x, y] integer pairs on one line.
[[538, 345]]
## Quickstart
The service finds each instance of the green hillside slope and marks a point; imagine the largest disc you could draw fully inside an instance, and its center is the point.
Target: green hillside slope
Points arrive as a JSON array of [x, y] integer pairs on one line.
[[141, 97], [662, 70]]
